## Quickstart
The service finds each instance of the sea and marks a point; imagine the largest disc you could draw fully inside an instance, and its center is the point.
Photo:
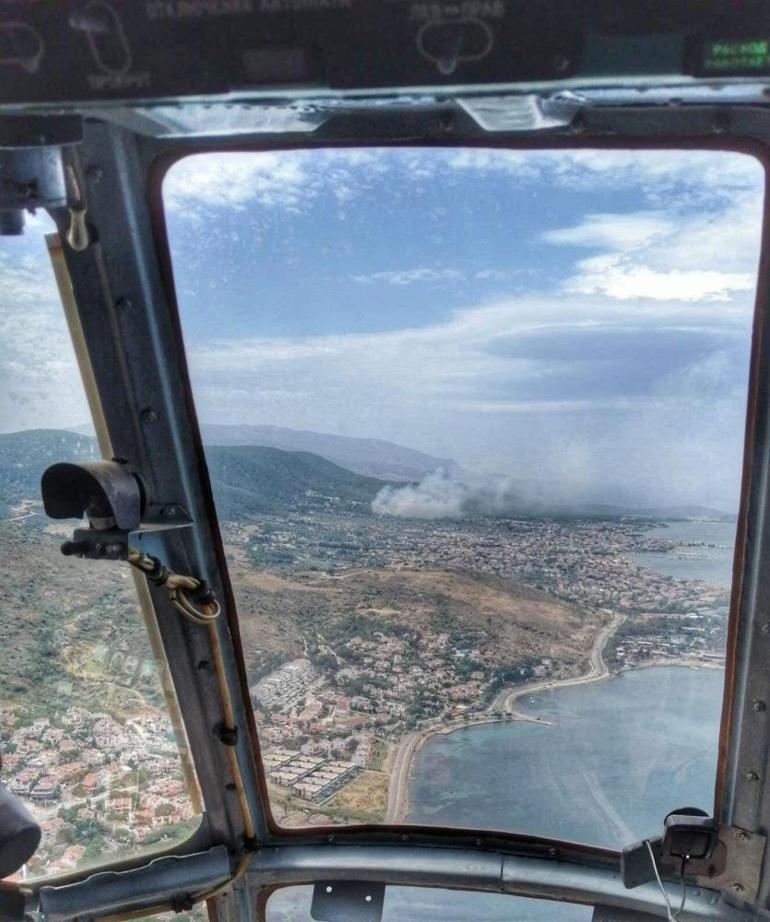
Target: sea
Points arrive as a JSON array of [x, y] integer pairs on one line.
[[600, 763], [704, 551]]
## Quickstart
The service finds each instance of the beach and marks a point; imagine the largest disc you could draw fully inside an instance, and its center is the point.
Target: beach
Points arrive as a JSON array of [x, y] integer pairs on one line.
[[501, 709]]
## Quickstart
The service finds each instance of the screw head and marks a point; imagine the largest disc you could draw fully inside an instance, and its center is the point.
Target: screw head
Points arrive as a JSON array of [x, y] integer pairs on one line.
[[94, 173], [765, 627], [123, 303], [148, 416], [737, 888], [759, 706], [752, 776], [743, 836], [720, 124]]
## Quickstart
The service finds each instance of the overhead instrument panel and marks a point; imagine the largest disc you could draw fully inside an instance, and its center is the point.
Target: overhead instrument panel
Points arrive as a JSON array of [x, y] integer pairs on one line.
[[107, 48], [102, 50]]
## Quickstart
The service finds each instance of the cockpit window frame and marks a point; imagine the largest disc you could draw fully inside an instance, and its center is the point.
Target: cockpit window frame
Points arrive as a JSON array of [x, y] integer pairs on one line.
[[125, 290]]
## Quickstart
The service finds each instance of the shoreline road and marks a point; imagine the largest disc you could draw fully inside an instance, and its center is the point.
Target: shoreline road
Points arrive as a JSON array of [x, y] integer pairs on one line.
[[502, 707], [504, 703], [399, 776]]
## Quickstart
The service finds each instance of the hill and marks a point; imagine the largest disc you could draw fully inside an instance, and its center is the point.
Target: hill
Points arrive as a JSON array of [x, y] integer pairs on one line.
[[251, 480], [25, 455], [507, 622], [248, 480], [370, 457]]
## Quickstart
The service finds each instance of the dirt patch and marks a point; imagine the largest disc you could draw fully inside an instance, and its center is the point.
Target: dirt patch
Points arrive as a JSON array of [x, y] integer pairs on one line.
[[364, 799]]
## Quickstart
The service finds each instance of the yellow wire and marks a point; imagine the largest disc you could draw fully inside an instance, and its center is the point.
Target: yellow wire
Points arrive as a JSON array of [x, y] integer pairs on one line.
[[176, 584]]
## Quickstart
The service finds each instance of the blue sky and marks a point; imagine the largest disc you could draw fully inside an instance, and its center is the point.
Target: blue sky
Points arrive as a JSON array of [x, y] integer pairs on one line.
[[577, 322]]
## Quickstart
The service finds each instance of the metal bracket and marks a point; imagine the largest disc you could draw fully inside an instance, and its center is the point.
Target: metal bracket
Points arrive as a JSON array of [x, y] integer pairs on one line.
[[736, 863], [347, 901]]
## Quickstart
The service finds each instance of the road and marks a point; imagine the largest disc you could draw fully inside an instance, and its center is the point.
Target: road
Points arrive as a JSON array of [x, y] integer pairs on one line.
[[502, 707], [504, 703], [399, 776]]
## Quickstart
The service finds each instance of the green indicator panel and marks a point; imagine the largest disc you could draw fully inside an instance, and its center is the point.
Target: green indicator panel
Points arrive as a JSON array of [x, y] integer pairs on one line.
[[736, 57]]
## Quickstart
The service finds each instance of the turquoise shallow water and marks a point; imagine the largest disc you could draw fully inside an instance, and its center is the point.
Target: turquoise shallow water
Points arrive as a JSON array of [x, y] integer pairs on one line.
[[613, 758]]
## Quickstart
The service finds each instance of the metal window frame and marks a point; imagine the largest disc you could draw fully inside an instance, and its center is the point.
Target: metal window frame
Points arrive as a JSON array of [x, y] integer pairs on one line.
[[123, 288]]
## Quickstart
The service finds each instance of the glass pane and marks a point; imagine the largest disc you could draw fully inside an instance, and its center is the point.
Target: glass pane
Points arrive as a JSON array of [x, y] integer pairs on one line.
[[292, 904], [474, 423], [88, 742]]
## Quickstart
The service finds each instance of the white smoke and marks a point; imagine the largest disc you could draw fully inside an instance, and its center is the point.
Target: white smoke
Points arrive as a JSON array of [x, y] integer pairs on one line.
[[436, 496]]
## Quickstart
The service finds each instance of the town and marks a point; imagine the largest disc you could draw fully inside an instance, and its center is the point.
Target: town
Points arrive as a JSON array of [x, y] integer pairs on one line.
[[358, 694], [335, 698], [97, 784]]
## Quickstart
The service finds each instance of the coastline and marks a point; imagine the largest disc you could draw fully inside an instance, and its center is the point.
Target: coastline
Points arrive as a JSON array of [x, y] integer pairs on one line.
[[502, 710]]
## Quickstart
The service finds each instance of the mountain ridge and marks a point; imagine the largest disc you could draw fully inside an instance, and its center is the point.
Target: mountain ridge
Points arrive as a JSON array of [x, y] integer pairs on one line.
[[252, 480], [370, 457], [247, 480]]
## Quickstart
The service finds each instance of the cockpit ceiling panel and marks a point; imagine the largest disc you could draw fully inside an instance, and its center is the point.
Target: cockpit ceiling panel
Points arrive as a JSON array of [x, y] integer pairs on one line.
[[106, 51]]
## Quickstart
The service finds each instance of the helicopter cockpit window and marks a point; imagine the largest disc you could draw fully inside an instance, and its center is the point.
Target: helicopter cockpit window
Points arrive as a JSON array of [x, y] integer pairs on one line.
[[90, 737], [473, 420]]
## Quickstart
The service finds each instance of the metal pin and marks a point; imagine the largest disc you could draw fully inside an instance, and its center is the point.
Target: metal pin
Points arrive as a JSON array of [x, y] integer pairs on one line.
[[77, 233]]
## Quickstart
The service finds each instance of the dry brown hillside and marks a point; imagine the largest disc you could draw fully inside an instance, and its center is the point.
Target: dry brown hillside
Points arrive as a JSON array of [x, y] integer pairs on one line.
[[505, 620]]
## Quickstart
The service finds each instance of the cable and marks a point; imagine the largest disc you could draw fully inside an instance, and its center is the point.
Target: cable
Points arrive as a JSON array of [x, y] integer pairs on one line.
[[205, 613], [678, 913], [670, 915], [179, 588]]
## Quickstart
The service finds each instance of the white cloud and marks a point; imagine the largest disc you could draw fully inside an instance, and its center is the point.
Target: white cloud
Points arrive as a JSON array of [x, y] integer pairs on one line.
[[280, 179], [275, 179], [614, 231], [703, 174], [499, 275], [691, 255], [272, 179], [436, 276], [620, 276], [411, 276]]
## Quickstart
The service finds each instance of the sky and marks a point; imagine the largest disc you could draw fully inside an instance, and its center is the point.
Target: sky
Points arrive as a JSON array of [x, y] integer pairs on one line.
[[576, 324]]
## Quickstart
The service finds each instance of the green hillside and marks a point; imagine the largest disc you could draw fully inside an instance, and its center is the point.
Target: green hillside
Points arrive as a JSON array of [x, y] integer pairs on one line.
[[248, 480], [25, 455], [251, 480]]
